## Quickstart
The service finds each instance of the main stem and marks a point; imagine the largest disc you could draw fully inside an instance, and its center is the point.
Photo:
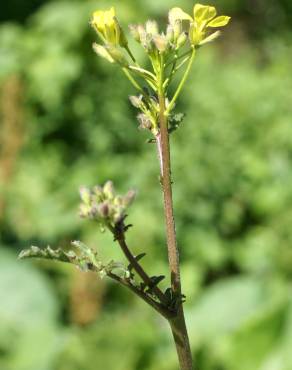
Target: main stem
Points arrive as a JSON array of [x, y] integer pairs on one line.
[[177, 324]]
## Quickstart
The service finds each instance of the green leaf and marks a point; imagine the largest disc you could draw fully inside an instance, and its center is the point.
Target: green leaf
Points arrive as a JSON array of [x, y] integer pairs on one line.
[[137, 258], [224, 307], [250, 347], [30, 338], [86, 260]]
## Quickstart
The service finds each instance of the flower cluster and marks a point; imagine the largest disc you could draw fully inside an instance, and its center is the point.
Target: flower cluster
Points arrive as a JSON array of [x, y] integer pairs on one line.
[[104, 205], [175, 37], [168, 51], [149, 37], [111, 34], [204, 17]]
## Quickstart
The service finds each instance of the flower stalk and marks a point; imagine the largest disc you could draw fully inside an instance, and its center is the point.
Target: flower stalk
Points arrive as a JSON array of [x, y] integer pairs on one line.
[[168, 52], [178, 326]]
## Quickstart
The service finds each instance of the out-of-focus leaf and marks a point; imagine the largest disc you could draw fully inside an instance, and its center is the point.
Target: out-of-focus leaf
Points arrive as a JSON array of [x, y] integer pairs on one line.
[[29, 336]]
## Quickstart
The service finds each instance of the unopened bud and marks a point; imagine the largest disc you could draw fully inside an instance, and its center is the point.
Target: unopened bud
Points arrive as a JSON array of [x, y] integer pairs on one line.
[[134, 32], [152, 27], [118, 201], [103, 209], [181, 40], [177, 29], [102, 52], [84, 210], [108, 190], [129, 198], [160, 42], [144, 121], [170, 33], [98, 192], [146, 40], [117, 55], [84, 194], [136, 101]]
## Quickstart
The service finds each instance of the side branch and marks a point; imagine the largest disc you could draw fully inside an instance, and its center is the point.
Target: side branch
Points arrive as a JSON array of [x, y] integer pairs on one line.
[[120, 237], [156, 305]]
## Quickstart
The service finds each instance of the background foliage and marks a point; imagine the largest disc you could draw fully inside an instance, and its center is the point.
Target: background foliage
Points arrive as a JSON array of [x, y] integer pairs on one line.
[[66, 121]]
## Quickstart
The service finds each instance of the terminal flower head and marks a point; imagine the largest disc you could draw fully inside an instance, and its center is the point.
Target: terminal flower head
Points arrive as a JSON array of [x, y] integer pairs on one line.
[[108, 28], [204, 17]]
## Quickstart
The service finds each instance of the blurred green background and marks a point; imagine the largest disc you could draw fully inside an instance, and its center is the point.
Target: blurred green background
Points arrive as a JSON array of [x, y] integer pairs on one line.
[[66, 121]]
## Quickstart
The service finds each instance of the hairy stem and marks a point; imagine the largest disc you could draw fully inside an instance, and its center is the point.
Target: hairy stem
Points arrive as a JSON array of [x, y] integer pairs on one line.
[[177, 324]]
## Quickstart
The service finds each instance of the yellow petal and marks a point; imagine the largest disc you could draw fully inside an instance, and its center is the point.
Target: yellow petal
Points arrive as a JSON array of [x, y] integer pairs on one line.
[[112, 12], [109, 17], [210, 38], [204, 13], [219, 21], [177, 14]]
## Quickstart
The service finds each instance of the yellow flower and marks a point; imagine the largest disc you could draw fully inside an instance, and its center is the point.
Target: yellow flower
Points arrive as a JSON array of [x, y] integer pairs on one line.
[[108, 27], [204, 17]]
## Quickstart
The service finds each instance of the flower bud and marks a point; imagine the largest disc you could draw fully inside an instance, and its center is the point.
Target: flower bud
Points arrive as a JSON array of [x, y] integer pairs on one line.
[[98, 192], [144, 121], [85, 195], [129, 197], [136, 101], [84, 210], [134, 32], [181, 40], [146, 39], [102, 52], [93, 210], [118, 201], [117, 55], [103, 209], [177, 29], [152, 27], [160, 42], [108, 190], [170, 33]]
